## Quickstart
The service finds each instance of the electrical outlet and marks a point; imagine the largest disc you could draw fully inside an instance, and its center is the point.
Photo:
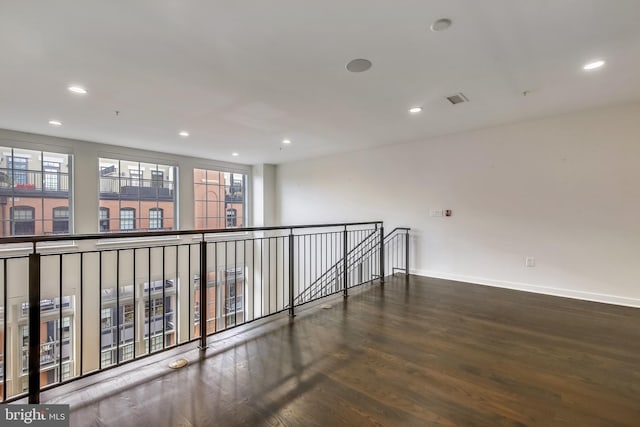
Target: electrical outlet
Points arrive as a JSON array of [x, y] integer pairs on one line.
[[530, 261]]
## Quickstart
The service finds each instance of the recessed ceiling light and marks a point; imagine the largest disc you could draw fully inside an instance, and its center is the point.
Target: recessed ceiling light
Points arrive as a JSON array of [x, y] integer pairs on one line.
[[593, 65], [55, 122], [235, 154], [286, 141], [415, 110], [77, 89], [441, 24], [184, 133], [358, 65]]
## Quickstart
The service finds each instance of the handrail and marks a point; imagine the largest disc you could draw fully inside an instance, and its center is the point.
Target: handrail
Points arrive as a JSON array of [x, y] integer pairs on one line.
[[396, 229], [351, 264], [385, 238], [134, 234], [336, 265]]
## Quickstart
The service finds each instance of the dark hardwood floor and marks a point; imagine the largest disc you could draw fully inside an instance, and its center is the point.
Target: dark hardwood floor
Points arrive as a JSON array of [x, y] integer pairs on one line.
[[424, 353]]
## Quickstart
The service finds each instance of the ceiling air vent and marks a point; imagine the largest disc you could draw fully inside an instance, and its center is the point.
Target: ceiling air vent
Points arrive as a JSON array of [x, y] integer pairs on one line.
[[458, 98]]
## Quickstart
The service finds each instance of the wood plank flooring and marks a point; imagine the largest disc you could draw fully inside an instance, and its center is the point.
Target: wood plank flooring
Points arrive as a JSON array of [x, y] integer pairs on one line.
[[425, 352]]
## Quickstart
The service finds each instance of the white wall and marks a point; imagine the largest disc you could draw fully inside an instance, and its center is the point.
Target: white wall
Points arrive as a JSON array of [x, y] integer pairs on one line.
[[263, 191], [565, 190]]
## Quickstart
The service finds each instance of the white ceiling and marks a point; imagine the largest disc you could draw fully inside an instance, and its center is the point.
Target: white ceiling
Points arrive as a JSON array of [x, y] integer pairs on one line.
[[241, 75]]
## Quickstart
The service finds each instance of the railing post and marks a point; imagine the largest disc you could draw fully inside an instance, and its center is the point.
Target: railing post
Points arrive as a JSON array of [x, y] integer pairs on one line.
[[291, 272], [34, 326], [382, 254], [345, 263], [203, 294], [406, 254]]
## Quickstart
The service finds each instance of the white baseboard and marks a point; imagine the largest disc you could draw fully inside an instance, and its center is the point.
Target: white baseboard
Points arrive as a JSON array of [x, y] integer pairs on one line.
[[559, 292]]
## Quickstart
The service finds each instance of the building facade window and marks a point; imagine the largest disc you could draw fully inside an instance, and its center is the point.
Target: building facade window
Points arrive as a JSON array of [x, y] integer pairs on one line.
[[219, 199], [157, 178], [232, 217], [38, 180], [17, 165], [56, 341], [22, 221], [147, 188], [103, 218], [155, 218], [51, 175], [127, 219], [135, 175], [61, 220], [122, 322]]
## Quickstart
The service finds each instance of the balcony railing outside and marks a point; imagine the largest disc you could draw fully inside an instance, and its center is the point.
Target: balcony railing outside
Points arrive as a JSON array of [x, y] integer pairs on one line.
[[33, 182], [129, 302], [135, 188]]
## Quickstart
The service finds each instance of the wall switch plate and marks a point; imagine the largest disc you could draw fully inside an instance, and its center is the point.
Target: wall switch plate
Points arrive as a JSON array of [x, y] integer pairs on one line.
[[435, 212], [530, 261]]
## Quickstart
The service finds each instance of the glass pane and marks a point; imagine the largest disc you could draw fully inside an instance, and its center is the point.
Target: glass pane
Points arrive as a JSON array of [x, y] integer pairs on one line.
[[219, 199], [36, 181], [140, 186]]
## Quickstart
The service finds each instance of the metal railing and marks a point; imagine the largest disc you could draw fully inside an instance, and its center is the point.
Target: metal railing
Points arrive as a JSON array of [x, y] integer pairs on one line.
[[27, 182], [135, 188], [110, 299], [363, 262]]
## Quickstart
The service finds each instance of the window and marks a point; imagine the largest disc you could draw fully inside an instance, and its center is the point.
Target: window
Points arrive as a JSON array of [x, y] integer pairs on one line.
[[135, 174], [22, 221], [126, 352], [128, 314], [146, 188], [105, 316], [127, 219], [51, 176], [103, 218], [55, 348], [66, 371], [157, 178], [61, 220], [156, 343], [16, 165], [155, 219], [219, 199], [231, 217], [32, 183], [106, 358]]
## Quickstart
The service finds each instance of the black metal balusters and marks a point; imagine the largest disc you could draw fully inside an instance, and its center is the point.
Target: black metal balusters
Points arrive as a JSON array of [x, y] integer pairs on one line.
[[34, 326], [203, 294], [291, 264]]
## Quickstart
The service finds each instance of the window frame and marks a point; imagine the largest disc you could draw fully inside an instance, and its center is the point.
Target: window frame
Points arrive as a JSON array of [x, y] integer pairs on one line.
[[14, 221], [104, 221], [158, 220], [58, 220], [125, 182], [232, 220], [50, 171], [31, 176], [132, 219], [216, 190]]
